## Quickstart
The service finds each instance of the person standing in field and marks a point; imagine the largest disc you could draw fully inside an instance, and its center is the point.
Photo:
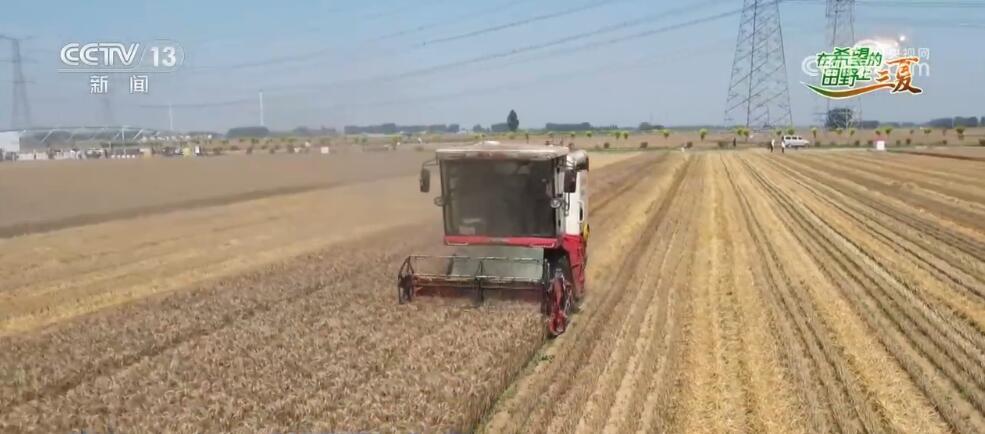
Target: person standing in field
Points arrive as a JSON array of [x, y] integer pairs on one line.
[[772, 144]]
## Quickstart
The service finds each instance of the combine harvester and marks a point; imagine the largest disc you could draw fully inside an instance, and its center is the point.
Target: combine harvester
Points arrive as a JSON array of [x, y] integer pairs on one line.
[[525, 203]]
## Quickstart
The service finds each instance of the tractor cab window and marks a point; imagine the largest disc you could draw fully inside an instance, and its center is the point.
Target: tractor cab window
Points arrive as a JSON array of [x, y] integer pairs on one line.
[[498, 198]]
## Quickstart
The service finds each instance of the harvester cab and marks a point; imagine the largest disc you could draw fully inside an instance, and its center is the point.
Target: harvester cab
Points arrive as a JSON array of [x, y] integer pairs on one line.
[[523, 209]]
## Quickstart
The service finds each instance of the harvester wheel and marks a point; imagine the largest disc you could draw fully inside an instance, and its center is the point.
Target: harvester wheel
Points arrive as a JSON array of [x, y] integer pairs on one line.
[[560, 298]]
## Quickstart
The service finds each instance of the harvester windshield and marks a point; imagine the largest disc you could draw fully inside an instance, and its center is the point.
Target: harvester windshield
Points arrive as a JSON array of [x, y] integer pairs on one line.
[[498, 198]]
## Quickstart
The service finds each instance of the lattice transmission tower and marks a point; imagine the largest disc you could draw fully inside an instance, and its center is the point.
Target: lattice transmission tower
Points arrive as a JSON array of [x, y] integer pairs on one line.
[[20, 113], [759, 95], [840, 32]]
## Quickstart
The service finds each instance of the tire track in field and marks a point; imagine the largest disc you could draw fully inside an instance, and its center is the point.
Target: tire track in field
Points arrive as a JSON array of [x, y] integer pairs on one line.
[[773, 404], [641, 364], [958, 196], [943, 155], [603, 396], [900, 165], [571, 392], [890, 314], [713, 387], [962, 299], [954, 249], [550, 383], [625, 179], [838, 400], [732, 371], [957, 168], [971, 221]]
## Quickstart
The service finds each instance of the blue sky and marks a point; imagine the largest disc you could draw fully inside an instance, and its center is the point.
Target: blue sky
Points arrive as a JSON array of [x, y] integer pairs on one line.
[[329, 63]]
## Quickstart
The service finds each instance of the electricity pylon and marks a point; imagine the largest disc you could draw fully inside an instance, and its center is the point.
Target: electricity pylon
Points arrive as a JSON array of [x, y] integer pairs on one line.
[[759, 95]]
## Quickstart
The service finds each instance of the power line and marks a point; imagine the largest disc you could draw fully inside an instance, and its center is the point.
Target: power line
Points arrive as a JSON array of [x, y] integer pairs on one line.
[[513, 52], [642, 62], [907, 4], [552, 43], [513, 24], [455, 19], [315, 55]]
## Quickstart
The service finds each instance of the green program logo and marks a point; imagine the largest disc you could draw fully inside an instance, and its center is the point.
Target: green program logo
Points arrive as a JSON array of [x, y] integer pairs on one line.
[[850, 72]]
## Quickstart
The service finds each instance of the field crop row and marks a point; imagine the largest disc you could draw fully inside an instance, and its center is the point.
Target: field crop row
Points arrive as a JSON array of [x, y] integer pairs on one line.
[[808, 292]]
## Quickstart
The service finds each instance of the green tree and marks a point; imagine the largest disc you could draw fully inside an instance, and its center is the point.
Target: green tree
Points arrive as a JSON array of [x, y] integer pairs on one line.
[[512, 121], [839, 131], [813, 133], [625, 135], [960, 131], [791, 131], [888, 131], [703, 133], [851, 131], [927, 131], [665, 132], [526, 135], [588, 134]]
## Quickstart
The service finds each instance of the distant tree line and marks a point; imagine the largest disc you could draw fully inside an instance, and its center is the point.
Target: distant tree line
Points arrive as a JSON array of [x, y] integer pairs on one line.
[[313, 132], [957, 121], [501, 127], [842, 117], [646, 126], [392, 128], [584, 126], [241, 132]]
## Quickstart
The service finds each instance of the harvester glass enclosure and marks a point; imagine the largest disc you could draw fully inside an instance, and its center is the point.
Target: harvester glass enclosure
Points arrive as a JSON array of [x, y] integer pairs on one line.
[[500, 198]]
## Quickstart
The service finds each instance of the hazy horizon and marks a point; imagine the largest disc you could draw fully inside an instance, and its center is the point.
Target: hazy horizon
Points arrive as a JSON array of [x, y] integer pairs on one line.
[[433, 61]]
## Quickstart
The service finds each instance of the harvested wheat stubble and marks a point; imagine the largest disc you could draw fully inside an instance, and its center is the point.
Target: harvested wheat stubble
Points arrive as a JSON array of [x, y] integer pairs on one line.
[[812, 294]]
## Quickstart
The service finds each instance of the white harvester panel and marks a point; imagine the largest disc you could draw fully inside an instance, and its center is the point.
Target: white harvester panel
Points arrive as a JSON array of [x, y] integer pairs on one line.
[[578, 201]]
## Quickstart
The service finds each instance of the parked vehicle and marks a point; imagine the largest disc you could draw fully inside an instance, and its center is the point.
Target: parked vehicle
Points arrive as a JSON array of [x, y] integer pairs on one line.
[[795, 142]]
